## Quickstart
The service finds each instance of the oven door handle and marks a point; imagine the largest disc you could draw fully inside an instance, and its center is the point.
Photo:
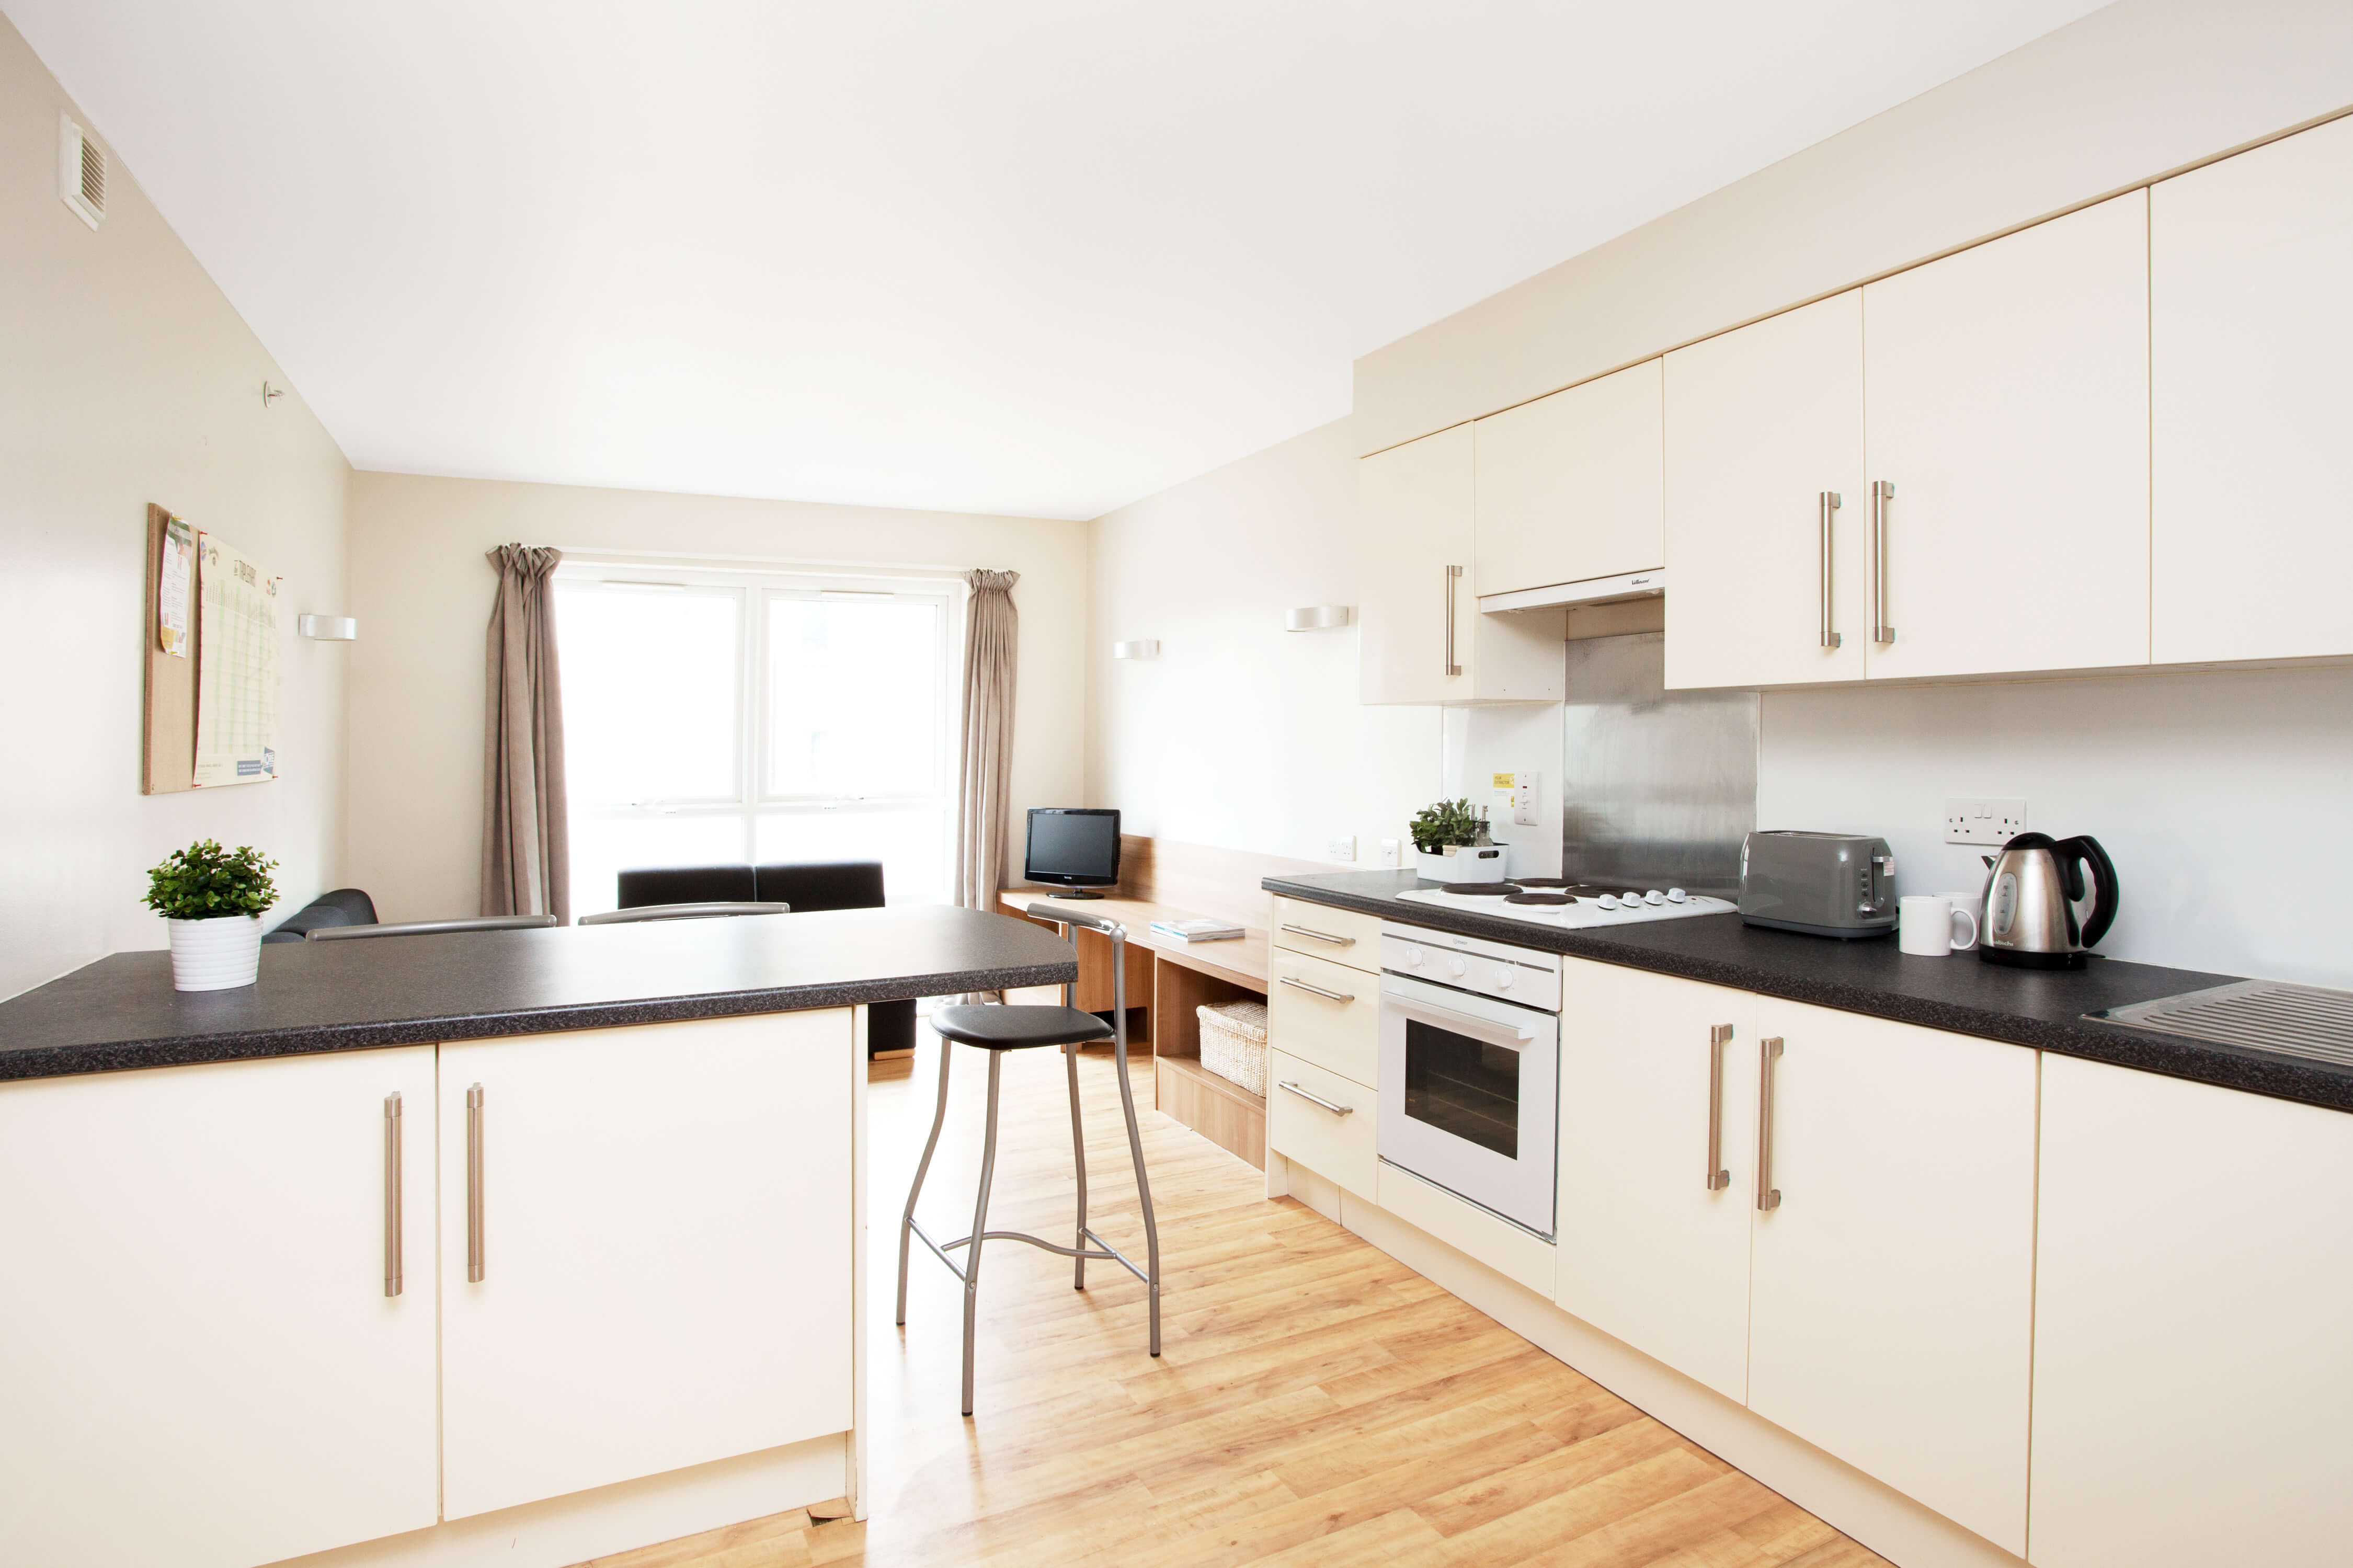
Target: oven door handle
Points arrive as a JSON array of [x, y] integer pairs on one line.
[[1413, 1005]]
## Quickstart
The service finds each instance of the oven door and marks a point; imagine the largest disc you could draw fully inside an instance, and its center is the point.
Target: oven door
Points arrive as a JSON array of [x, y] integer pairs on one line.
[[1469, 1096]]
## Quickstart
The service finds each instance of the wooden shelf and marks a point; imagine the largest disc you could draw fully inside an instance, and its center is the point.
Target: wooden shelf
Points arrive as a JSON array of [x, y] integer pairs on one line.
[[1219, 1110]]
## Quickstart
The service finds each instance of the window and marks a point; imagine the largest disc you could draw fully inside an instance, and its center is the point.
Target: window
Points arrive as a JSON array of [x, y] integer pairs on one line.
[[742, 716]]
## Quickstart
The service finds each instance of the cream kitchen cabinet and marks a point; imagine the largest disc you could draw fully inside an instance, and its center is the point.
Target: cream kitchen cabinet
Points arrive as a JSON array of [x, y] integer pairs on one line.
[[204, 1367], [2006, 401], [2193, 1378], [1891, 1274], [646, 1245], [1422, 638], [1768, 542], [1568, 488], [2250, 299], [1657, 1134]]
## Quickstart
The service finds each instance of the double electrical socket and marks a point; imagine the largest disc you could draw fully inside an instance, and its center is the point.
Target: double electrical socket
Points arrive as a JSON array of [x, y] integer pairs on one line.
[[1343, 848], [1984, 820]]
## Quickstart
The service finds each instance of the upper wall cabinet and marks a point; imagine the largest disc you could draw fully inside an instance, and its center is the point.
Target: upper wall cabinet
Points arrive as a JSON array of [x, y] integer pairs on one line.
[[1569, 486], [1422, 638], [2250, 273], [1766, 516], [2006, 401]]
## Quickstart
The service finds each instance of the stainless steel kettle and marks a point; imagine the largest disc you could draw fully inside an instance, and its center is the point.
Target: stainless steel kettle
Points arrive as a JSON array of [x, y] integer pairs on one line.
[[2030, 919]]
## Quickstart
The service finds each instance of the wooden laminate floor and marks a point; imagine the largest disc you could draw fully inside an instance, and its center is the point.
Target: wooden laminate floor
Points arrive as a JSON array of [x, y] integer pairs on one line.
[[1316, 1403]]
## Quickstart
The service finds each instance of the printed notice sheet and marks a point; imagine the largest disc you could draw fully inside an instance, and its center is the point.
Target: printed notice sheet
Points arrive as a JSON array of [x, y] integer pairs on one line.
[[177, 570], [236, 666]]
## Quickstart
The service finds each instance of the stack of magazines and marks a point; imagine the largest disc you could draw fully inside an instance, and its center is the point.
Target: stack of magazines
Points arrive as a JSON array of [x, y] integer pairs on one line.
[[1197, 931]]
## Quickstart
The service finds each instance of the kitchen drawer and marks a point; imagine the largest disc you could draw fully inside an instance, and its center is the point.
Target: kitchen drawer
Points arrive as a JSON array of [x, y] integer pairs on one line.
[[1325, 1013], [1331, 1144], [1343, 936]]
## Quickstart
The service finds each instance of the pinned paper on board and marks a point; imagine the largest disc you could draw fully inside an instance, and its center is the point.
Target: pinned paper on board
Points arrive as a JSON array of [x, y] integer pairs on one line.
[[236, 667], [175, 573]]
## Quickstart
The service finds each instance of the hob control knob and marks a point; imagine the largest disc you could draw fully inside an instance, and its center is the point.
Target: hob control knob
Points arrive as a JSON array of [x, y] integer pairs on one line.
[[1677, 896], [1503, 977], [1413, 956], [1607, 900], [1457, 968], [1654, 897]]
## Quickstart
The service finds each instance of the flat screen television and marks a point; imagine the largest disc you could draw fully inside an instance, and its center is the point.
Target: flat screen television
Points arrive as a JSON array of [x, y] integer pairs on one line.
[[1074, 847]]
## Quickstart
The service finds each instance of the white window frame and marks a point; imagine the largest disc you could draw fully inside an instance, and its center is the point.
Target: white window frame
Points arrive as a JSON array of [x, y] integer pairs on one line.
[[753, 584]]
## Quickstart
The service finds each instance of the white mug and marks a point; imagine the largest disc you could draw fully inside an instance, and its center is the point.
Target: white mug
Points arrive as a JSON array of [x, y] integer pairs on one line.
[[1928, 926], [1966, 904]]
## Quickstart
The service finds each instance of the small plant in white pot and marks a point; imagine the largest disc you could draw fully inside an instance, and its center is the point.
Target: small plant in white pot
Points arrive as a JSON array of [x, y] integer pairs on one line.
[[1441, 832], [212, 900]]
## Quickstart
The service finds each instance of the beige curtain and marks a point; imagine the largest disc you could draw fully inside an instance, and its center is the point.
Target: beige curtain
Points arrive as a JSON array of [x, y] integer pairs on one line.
[[985, 778], [526, 841]]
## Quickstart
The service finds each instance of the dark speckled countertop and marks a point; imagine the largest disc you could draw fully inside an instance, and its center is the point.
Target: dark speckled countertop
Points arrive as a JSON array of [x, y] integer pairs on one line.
[[2045, 1009], [121, 1013]]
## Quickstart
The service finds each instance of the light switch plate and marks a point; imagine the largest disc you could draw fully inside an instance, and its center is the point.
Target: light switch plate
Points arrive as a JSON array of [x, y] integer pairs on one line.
[[1523, 800], [1389, 853], [1343, 848], [1980, 819]]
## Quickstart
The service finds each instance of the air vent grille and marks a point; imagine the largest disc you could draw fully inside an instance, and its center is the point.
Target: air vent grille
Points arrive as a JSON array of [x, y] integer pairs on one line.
[[2260, 1014], [81, 171]]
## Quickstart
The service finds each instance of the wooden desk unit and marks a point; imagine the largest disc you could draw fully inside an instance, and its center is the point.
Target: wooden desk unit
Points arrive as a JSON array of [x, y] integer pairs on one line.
[[1167, 978]]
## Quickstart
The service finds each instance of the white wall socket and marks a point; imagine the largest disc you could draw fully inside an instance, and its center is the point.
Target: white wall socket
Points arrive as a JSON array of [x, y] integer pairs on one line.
[[1389, 853], [1984, 820], [1341, 848]]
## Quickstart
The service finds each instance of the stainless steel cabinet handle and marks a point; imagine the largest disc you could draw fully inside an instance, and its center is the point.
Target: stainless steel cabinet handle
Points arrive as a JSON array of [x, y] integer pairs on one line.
[[1718, 1178], [1320, 935], [1319, 1099], [1882, 492], [1769, 1051], [392, 1193], [474, 1264], [1830, 502], [1314, 990], [1453, 575]]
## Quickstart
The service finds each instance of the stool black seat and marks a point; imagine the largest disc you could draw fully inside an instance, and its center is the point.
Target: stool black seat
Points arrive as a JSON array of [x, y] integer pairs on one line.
[[997, 1029]]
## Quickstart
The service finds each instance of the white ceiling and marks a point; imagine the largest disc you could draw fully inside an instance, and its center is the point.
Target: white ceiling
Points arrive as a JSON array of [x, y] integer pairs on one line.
[[1037, 256]]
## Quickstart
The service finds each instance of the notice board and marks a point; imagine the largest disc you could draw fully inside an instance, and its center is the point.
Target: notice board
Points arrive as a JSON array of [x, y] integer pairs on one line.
[[210, 633]]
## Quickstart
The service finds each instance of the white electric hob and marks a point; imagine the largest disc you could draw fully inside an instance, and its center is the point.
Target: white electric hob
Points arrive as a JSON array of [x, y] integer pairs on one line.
[[1585, 908]]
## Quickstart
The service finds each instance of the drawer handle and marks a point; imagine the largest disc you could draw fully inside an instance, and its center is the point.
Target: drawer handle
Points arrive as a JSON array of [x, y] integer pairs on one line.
[[1316, 989], [1320, 935], [476, 1268], [392, 1271], [1830, 502], [1718, 1037], [1319, 1099], [1769, 1196]]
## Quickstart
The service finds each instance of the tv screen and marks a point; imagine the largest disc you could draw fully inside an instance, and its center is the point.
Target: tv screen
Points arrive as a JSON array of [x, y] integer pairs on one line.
[[1073, 847]]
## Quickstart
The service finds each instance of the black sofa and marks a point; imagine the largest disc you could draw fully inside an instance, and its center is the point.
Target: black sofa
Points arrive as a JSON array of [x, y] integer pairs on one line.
[[343, 907], [807, 886]]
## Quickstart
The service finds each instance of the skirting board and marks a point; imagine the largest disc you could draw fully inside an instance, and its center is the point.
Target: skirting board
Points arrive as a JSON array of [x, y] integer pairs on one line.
[[569, 1530], [1890, 1523]]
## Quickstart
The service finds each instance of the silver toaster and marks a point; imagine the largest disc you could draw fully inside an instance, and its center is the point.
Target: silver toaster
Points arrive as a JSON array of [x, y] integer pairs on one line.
[[1827, 884]]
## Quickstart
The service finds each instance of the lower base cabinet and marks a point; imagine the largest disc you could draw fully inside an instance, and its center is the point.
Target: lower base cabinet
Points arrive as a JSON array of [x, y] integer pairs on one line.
[[664, 1244], [2193, 1367], [199, 1364], [1891, 1285]]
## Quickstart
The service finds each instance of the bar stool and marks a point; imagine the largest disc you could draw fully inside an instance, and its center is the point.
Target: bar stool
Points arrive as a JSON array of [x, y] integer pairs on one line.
[[999, 1029]]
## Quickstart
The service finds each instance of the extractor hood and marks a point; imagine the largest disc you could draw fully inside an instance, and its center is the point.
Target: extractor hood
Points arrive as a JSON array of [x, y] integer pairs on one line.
[[1592, 591]]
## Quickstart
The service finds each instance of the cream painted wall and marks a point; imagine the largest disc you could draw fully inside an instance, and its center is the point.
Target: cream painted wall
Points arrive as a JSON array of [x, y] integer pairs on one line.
[[125, 378], [2132, 91], [422, 591], [1241, 734]]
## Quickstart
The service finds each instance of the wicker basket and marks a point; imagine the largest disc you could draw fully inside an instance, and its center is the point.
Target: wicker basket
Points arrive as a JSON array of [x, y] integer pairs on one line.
[[1234, 1042]]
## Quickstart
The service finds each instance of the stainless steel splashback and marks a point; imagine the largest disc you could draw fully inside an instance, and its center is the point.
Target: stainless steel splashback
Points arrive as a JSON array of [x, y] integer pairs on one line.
[[1658, 787]]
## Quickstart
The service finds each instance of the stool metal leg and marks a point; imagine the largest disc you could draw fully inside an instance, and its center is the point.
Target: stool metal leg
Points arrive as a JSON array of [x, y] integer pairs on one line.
[[1135, 1137], [907, 1220], [1078, 1157], [979, 1225]]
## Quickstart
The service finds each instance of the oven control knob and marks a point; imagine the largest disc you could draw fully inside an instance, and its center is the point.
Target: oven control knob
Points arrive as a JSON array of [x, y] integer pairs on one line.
[[1457, 968], [1503, 977], [1654, 897], [1676, 896], [1413, 956], [1607, 900]]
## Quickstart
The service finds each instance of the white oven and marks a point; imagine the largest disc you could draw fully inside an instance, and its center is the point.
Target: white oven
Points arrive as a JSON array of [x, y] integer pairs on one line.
[[1470, 1068]]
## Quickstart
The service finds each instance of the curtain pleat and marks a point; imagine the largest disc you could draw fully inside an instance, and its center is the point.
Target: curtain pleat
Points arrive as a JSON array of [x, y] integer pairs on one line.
[[985, 778], [526, 836]]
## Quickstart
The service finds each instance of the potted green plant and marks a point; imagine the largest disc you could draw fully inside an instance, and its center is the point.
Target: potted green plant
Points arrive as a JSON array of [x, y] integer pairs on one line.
[[212, 901], [1440, 831]]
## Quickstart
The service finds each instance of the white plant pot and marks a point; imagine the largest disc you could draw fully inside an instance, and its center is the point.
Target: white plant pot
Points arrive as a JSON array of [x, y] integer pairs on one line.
[[1464, 863], [216, 954]]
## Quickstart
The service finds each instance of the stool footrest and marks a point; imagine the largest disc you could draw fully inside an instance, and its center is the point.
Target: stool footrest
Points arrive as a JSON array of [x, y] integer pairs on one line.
[[1108, 1254]]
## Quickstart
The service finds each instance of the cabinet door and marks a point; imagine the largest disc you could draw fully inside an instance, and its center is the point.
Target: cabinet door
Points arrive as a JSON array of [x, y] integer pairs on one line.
[[665, 1251], [1766, 578], [2006, 398], [203, 1368], [1419, 617], [1891, 1293], [2251, 276], [1413, 520], [2193, 1377], [1569, 486], [1651, 1251]]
